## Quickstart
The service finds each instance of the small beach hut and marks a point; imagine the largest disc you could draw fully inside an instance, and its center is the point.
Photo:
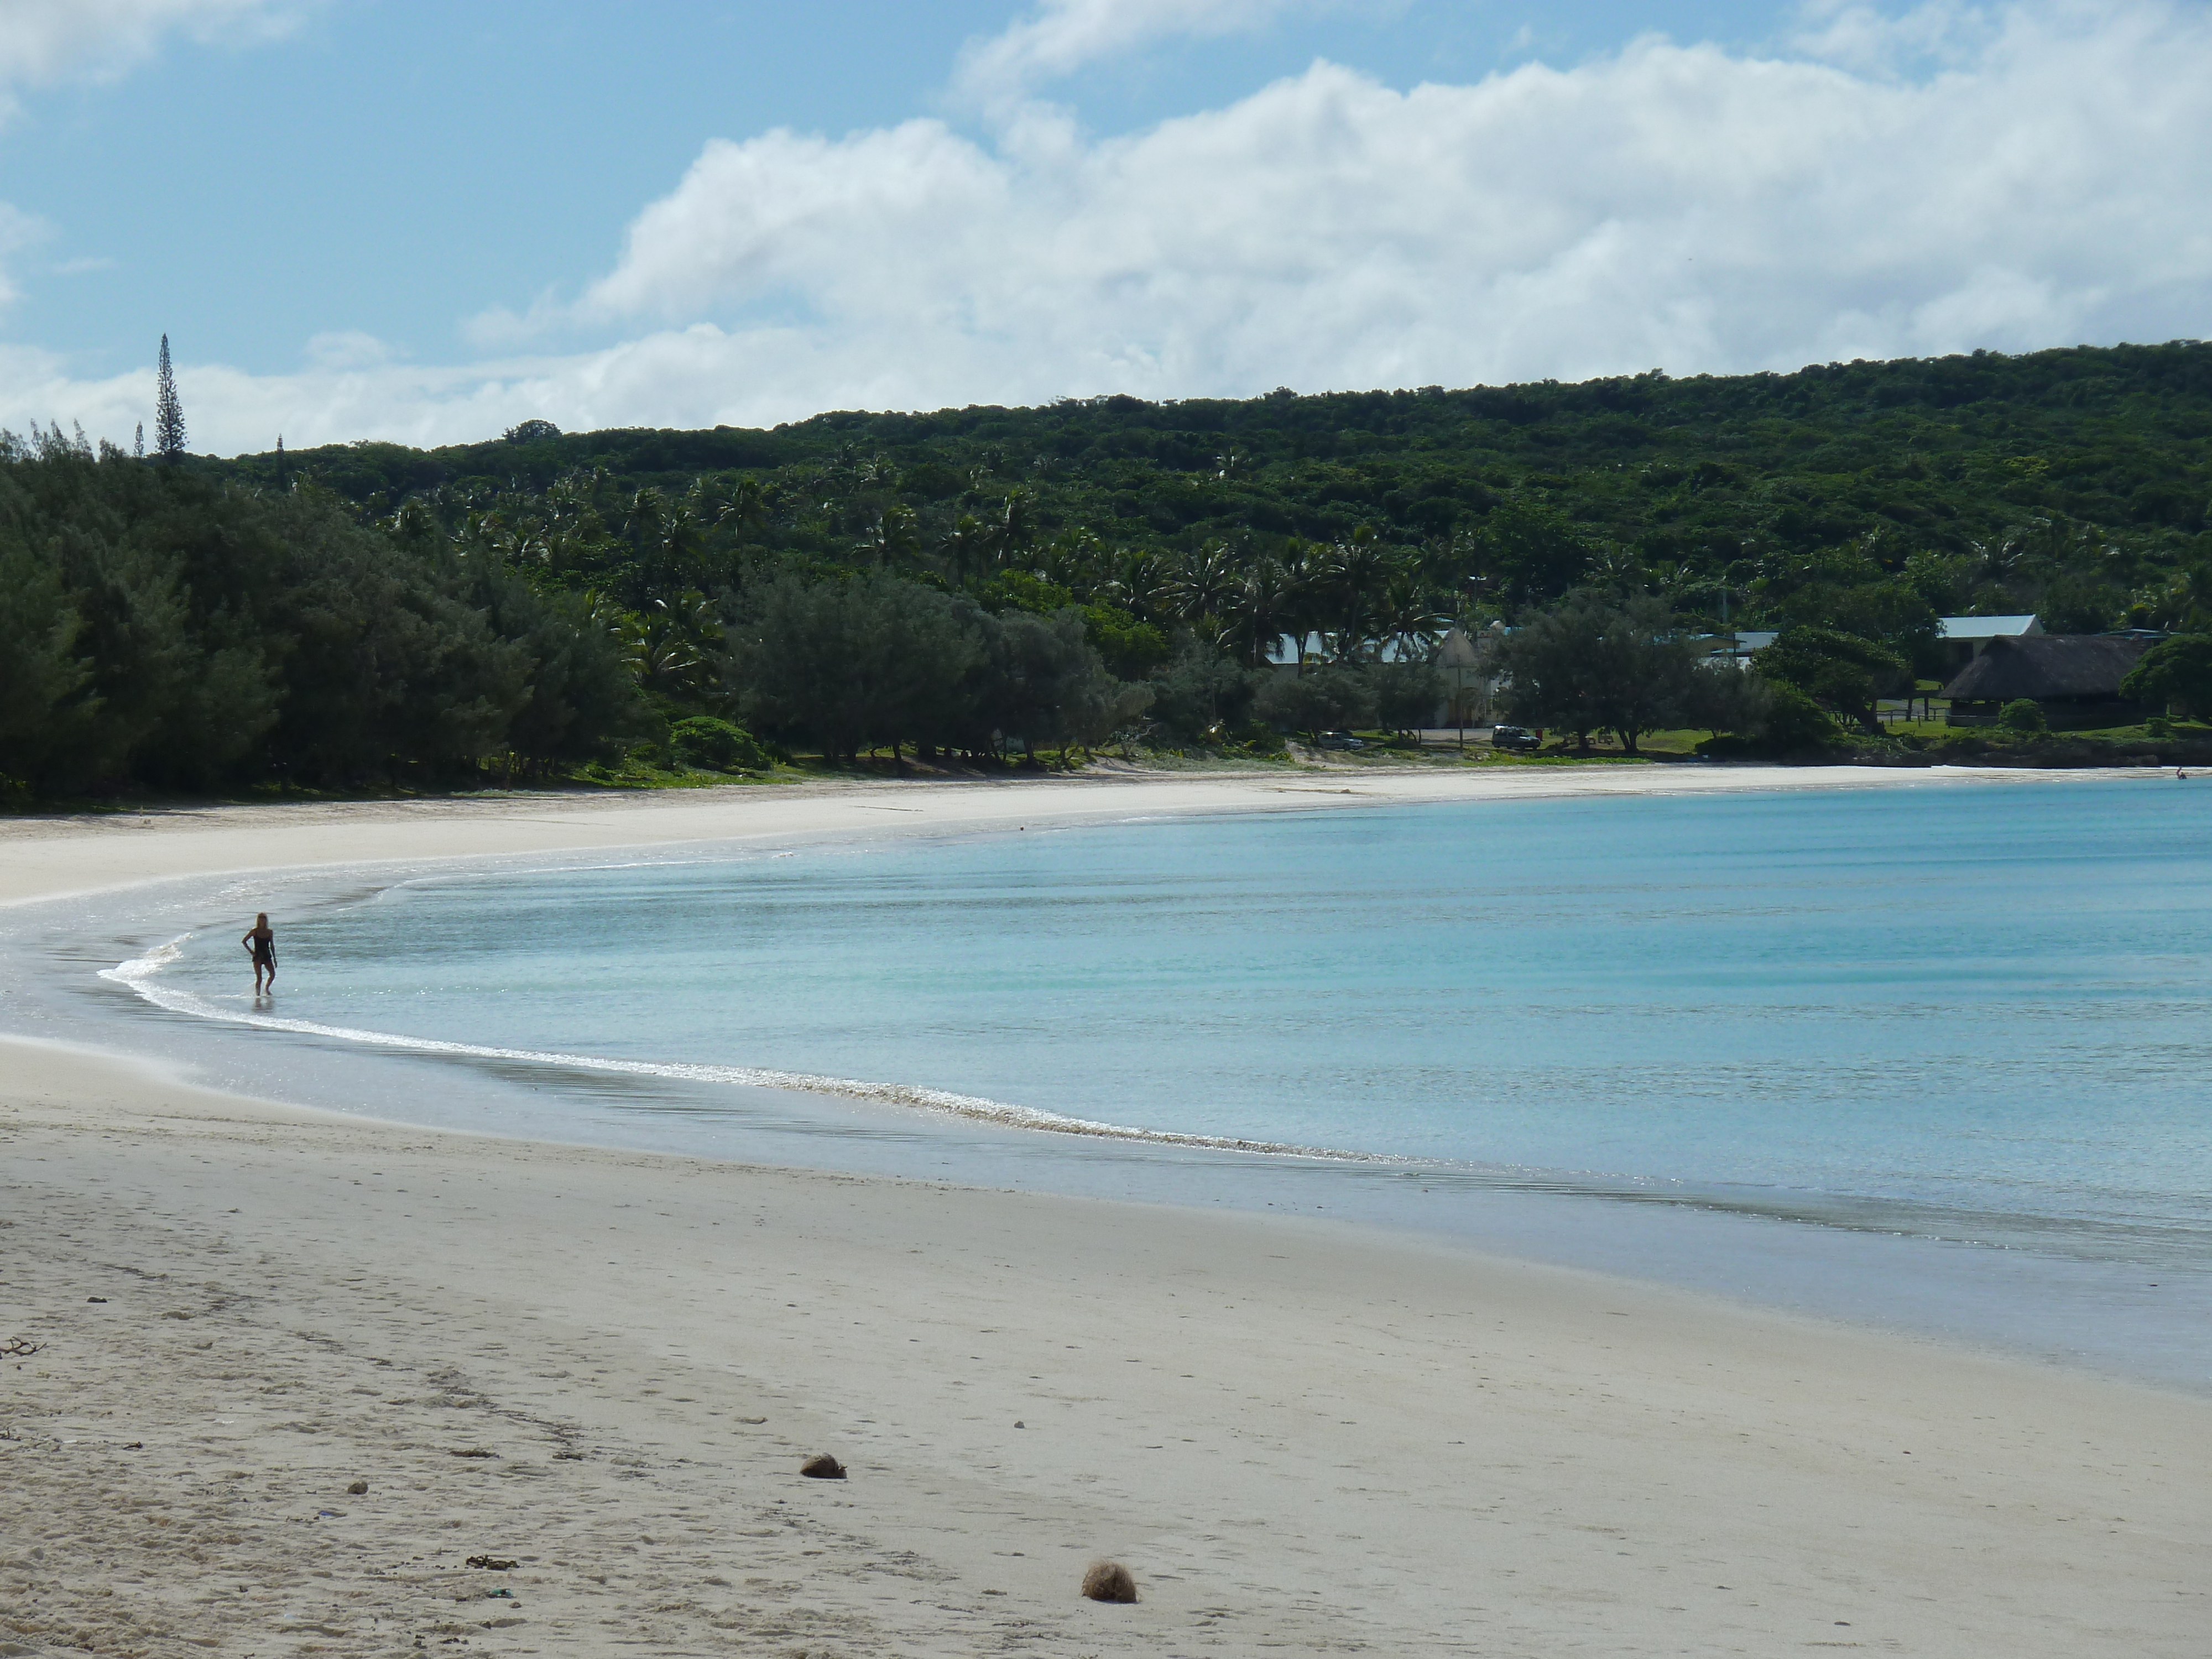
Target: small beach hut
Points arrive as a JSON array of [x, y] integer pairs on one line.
[[2074, 677]]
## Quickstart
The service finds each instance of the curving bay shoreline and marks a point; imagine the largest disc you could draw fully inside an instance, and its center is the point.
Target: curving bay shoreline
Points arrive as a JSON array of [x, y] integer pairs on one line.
[[1294, 1431]]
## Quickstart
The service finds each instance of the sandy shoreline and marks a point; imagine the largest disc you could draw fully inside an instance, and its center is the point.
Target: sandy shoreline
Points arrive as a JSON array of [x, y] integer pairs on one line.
[[1302, 1436], [45, 858]]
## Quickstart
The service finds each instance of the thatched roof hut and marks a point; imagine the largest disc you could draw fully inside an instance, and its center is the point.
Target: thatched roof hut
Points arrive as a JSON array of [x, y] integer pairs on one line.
[[2074, 676]]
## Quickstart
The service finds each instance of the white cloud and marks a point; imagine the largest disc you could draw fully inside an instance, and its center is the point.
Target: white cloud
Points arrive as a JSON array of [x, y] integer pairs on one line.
[[804, 213], [1678, 207], [43, 42], [1943, 33], [1062, 36], [342, 349]]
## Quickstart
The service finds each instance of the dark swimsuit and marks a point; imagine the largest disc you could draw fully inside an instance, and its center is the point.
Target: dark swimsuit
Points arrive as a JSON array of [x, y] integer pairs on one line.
[[264, 952]]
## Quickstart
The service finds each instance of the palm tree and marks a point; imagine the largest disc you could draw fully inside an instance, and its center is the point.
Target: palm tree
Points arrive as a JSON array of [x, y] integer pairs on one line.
[[2182, 601], [895, 536], [664, 542], [968, 548], [1409, 614], [647, 518], [1204, 583], [1619, 569], [1304, 607], [1257, 612], [1139, 584], [746, 507], [669, 645], [1073, 560], [1356, 572], [1017, 526]]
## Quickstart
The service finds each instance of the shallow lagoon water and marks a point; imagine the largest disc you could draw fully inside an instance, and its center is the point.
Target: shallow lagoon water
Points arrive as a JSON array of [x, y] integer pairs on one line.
[[1990, 1002], [1975, 1015]]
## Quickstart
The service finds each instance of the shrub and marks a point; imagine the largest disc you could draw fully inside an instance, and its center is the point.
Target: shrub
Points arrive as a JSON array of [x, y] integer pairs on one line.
[[1258, 738], [704, 743], [1795, 723], [1200, 695], [2158, 726], [1318, 699], [1789, 723], [2023, 715]]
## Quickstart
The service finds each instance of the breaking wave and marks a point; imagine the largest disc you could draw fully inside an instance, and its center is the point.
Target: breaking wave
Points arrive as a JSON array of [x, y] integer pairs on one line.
[[143, 975]]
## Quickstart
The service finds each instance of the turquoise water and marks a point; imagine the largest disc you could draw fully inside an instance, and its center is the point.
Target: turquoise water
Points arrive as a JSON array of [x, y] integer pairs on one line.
[[1970, 1013]]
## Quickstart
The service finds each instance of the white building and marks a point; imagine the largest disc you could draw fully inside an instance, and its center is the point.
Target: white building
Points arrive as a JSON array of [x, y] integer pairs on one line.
[[1966, 638]]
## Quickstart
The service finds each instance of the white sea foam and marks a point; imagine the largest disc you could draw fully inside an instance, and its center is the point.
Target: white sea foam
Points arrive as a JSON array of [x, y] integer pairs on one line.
[[142, 975]]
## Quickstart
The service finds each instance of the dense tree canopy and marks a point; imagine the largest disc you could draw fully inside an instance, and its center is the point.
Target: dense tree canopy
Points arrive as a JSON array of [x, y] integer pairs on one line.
[[1604, 662], [1844, 672], [876, 662], [157, 625], [2175, 672], [1865, 497]]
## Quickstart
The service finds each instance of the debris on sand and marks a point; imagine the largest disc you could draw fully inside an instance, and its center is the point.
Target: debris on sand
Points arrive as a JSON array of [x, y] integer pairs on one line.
[[490, 1563], [355, 1489], [823, 1467], [1110, 1581]]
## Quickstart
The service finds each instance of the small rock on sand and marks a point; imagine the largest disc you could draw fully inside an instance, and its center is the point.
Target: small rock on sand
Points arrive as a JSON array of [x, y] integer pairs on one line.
[[355, 1489], [823, 1467], [1110, 1581]]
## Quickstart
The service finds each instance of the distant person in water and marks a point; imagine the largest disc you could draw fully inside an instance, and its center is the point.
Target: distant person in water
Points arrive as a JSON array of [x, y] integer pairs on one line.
[[261, 945]]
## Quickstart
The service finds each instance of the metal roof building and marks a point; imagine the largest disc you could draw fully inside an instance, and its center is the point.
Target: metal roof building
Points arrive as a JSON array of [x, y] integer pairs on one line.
[[1966, 638]]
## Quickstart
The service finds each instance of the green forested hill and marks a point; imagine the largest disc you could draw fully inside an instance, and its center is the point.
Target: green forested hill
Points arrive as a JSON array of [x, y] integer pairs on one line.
[[961, 579], [2074, 483]]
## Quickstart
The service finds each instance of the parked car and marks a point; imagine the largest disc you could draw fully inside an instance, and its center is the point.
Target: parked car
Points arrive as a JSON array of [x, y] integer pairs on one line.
[[1341, 741], [1514, 736]]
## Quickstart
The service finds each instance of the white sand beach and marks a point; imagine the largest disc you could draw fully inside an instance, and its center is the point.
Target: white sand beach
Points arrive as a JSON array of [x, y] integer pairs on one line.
[[45, 857], [606, 1367]]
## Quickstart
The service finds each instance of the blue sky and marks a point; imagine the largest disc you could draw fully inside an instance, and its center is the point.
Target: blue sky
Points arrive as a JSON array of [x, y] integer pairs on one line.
[[381, 217]]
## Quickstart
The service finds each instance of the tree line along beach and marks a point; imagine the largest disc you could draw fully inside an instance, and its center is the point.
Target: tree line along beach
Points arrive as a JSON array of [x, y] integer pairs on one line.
[[1203, 579]]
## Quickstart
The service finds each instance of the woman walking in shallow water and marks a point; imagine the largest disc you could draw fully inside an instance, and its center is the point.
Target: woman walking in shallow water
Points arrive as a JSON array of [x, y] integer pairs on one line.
[[260, 944]]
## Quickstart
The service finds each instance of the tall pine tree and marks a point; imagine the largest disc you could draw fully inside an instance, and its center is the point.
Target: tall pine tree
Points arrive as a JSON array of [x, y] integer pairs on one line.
[[169, 413]]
